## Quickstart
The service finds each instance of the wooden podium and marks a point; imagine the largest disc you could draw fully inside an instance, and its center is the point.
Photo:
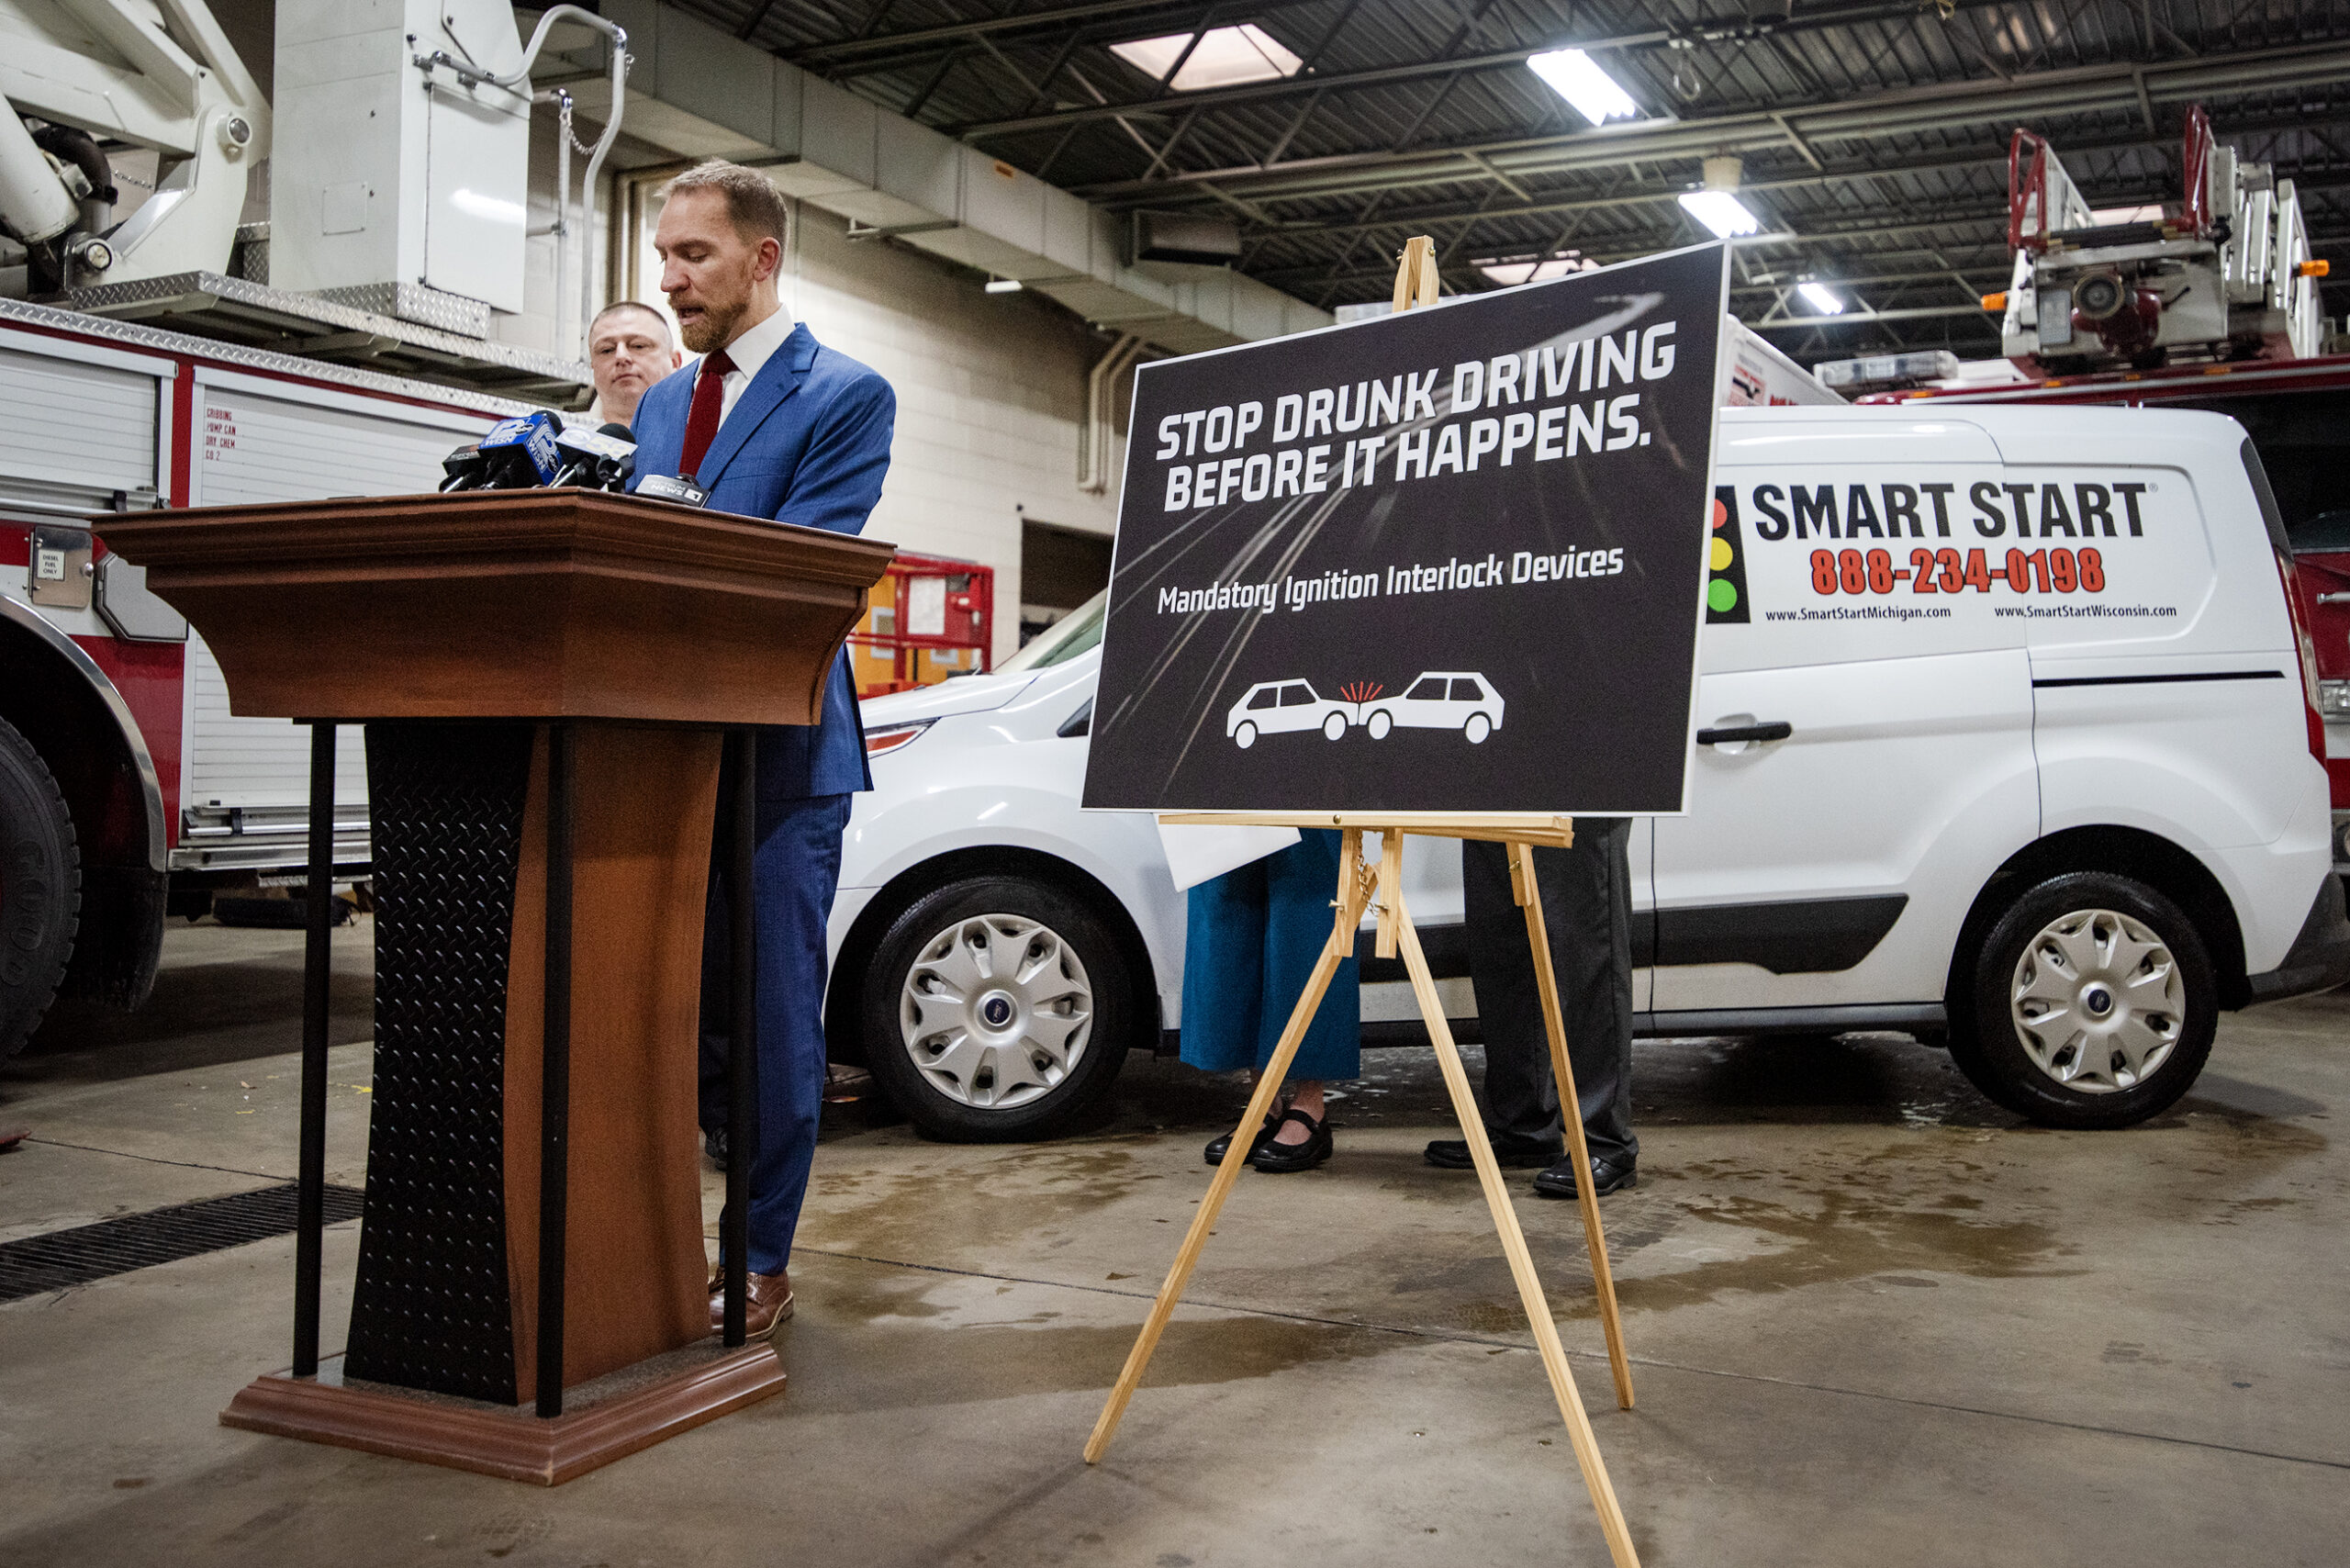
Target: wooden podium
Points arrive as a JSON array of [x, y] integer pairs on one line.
[[547, 679]]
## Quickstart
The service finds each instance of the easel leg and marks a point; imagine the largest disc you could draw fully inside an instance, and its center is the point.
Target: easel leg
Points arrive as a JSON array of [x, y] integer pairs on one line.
[[1529, 895], [1340, 947], [1521, 1261]]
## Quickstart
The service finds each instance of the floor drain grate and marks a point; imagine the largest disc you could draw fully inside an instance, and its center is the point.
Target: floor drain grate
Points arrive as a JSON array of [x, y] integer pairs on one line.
[[87, 1252]]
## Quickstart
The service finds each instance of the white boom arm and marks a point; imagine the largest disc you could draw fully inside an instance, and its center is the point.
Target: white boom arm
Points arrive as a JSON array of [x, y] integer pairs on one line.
[[158, 74]]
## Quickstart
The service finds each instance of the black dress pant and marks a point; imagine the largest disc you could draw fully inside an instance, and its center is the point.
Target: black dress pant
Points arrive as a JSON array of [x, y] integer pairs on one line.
[[1587, 908]]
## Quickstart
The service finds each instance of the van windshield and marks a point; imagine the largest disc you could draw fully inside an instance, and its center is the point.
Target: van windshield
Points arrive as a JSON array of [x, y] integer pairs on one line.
[[1072, 635]]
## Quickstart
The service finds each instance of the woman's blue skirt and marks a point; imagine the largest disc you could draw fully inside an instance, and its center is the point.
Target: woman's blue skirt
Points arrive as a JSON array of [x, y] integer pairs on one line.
[[1252, 937]]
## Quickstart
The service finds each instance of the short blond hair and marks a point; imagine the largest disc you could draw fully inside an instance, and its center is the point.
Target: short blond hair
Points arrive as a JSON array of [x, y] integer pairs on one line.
[[755, 207], [660, 322]]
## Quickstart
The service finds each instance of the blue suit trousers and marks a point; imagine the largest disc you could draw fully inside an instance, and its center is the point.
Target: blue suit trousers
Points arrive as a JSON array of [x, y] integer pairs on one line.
[[796, 869]]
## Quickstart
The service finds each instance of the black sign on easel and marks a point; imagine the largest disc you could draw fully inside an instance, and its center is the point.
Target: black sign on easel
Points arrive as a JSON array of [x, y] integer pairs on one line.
[[1423, 562]]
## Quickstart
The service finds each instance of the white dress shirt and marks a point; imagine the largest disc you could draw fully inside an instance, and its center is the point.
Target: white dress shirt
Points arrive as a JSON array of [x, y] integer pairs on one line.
[[749, 353]]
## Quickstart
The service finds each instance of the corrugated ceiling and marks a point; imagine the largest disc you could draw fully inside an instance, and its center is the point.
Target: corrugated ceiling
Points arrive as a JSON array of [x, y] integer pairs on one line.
[[1873, 135]]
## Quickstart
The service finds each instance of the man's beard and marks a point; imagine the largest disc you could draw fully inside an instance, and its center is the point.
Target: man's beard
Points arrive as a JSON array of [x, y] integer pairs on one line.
[[716, 328]]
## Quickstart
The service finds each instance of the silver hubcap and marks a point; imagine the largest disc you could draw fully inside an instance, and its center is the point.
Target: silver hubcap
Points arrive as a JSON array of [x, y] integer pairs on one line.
[[996, 1011], [2097, 1002]]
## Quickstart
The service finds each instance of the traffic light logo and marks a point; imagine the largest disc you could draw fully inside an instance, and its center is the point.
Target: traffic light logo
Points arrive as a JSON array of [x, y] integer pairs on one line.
[[1726, 562]]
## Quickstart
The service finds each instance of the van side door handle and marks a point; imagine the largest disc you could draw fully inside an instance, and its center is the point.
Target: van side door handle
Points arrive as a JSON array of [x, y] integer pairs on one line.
[[1776, 730]]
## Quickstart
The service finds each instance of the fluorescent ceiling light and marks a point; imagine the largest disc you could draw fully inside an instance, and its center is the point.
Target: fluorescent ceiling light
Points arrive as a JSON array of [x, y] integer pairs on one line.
[[1721, 212], [1509, 273], [2151, 213], [1225, 57], [1003, 285], [1574, 76], [1820, 298]]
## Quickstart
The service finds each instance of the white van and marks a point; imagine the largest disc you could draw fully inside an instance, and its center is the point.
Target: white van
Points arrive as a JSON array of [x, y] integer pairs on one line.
[[2006, 738]]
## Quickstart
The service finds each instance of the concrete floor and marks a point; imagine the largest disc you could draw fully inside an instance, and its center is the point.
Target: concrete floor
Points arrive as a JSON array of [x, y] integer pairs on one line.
[[1875, 1321]]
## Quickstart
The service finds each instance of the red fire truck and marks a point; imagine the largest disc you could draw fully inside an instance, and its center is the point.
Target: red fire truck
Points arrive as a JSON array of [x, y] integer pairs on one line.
[[129, 790]]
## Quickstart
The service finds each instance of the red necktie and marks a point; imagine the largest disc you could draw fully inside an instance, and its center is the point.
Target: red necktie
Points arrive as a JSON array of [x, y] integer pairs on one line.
[[701, 421]]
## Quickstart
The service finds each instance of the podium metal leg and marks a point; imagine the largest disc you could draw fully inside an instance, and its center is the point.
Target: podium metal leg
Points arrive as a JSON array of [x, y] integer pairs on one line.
[[310, 1210], [554, 1072], [742, 1027]]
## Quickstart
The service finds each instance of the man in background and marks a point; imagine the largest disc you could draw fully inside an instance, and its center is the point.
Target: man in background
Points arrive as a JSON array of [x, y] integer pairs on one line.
[[772, 424], [628, 351], [1587, 908]]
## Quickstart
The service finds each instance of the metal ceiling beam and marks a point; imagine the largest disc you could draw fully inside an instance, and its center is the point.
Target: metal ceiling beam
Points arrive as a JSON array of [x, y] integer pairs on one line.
[[1908, 111], [1873, 235], [1420, 70]]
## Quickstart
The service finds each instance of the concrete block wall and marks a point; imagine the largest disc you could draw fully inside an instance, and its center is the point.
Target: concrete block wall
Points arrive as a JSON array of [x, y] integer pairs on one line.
[[990, 400]]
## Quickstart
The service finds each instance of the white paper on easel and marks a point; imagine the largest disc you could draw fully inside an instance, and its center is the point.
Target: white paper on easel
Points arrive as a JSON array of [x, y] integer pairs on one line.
[[1196, 852]]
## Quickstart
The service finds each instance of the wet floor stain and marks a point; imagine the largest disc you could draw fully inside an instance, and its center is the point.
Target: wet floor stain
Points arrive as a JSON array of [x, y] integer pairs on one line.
[[958, 1356], [915, 1199]]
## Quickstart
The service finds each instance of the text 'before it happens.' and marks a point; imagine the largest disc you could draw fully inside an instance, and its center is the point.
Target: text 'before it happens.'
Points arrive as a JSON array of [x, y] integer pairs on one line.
[[1524, 566], [1409, 435]]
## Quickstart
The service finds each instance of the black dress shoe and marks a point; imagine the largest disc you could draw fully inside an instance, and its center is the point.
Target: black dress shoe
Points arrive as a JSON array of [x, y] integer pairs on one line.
[[713, 1144], [1514, 1151], [1606, 1176], [1216, 1146], [1277, 1159]]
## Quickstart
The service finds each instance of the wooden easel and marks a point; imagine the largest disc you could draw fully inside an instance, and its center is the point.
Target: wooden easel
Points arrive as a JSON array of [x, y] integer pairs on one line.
[[1380, 889]]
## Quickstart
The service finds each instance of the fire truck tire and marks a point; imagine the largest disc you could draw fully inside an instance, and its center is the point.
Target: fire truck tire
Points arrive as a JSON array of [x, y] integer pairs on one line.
[[40, 889]]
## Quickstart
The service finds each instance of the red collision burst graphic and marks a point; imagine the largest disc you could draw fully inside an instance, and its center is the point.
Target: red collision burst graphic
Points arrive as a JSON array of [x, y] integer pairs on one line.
[[1361, 690]]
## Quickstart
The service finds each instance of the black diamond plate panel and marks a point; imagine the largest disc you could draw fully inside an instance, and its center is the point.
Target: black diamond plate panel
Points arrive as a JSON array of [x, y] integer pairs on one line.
[[432, 1309]]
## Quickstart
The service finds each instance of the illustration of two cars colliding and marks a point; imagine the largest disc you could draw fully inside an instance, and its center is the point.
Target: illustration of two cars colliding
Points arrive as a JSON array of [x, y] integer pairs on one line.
[[1440, 699]]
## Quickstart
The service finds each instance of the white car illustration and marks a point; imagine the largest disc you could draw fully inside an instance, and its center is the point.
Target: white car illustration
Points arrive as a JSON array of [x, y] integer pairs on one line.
[[1272, 707], [1439, 700]]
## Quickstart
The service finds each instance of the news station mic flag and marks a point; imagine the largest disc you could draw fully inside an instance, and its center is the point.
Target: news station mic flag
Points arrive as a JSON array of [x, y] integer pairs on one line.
[[1452, 559]]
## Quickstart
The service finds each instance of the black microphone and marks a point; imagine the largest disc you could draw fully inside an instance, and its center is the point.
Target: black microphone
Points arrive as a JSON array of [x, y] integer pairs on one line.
[[464, 468], [617, 480], [680, 489]]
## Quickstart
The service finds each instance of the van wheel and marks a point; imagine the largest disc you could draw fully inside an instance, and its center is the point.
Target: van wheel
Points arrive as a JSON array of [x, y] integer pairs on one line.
[[40, 889], [996, 1008], [1477, 729], [1380, 722], [1245, 737], [2092, 1004]]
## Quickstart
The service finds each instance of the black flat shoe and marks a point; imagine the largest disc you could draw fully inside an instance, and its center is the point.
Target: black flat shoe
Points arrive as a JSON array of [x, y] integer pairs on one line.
[[1606, 1176], [1514, 1153], [1277, 1159], [1216, 1146]]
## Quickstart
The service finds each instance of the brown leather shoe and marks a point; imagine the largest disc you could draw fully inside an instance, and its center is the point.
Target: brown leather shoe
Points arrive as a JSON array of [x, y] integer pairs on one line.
[[769, 1304]]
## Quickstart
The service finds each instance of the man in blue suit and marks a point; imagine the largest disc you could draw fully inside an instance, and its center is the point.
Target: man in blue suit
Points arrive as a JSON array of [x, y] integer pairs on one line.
[[772, 424]]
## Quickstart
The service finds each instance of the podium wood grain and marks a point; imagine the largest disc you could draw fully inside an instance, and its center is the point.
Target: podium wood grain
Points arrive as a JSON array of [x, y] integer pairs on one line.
[[513, 604], [636, 1286]]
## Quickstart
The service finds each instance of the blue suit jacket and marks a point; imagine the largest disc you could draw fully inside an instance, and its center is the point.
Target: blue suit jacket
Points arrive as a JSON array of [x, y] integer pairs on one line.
[[807, 443]]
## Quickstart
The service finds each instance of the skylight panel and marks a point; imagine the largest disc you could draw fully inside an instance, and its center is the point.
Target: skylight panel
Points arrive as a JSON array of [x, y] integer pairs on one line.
[[1225, 56]]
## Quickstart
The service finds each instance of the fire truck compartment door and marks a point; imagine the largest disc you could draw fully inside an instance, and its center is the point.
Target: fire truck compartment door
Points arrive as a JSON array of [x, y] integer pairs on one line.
[[79, 429]]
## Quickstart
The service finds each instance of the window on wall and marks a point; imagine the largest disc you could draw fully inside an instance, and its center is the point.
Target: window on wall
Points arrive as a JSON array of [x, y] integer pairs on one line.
[[1060, 568], [637, 266]]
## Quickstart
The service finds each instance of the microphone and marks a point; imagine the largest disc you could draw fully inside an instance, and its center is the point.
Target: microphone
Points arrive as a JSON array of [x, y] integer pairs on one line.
[[464, 468], [520, 454], [592, 457], [681, 489]]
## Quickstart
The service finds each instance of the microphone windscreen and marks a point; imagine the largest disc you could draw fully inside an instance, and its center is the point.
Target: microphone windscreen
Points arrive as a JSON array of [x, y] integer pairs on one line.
[[522, 452]]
